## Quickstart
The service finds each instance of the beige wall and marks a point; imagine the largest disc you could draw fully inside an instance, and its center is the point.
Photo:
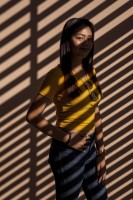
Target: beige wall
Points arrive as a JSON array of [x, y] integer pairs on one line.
[[30, 47]]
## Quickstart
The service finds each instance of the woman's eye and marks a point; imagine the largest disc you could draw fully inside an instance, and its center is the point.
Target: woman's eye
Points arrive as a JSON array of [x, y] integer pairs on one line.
[[80, 38]]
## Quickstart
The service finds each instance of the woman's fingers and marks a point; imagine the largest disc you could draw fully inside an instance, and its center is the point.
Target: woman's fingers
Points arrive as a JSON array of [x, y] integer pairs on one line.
[[102, 178], [101, 168], [79, 140], [85, 141], [101, 173]]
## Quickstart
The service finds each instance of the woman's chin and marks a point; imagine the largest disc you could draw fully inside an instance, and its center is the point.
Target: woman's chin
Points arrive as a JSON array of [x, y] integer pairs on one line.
[[83, 55], [84, 52]]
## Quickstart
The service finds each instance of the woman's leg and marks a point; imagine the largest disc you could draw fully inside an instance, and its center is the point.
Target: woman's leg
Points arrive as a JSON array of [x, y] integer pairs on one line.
[[68, 169], [92, 188]]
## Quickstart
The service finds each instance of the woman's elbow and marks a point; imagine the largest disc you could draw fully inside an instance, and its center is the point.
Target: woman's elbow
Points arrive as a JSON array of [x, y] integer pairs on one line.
[[36, 109], [31, 117], [28, 118]]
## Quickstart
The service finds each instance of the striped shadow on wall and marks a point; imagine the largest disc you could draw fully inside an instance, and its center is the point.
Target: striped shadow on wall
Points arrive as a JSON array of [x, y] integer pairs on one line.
[[29, 49]]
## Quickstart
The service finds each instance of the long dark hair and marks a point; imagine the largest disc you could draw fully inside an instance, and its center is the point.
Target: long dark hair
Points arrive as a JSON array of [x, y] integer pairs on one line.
[[65, 59]]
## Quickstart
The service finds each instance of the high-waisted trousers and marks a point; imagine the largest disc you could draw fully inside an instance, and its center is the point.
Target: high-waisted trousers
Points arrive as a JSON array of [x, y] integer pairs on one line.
[[73, 170]]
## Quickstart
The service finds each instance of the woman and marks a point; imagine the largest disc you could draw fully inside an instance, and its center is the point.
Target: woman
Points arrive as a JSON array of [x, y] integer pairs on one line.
[[77, 153]]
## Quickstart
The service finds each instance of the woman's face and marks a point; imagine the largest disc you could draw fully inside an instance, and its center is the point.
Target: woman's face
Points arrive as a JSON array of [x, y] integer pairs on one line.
[[81, 42]]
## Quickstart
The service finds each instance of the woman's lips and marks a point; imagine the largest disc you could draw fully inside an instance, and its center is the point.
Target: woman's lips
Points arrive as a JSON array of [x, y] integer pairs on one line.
[[84, 49]]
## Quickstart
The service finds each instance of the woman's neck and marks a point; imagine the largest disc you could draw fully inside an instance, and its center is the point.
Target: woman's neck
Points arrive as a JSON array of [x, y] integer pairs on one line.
[[77, 69], [76, 65]]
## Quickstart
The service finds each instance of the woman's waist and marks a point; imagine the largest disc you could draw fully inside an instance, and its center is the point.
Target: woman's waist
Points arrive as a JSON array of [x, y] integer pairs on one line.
[[58, 144], [85, 131], [87, 128]]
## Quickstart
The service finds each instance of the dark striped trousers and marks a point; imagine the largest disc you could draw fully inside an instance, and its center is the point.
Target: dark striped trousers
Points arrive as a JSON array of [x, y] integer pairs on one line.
[[74, 170]]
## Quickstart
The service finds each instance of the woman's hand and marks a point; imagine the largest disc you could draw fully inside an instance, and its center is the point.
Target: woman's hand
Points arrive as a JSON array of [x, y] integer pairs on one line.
[[78, 140], [101, 167]]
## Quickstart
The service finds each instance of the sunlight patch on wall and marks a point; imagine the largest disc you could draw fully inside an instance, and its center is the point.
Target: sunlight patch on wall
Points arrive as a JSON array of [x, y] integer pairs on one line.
[[115, 53], [2, 3], [14, 10], [112, 24], [16, 168], [14, 150], [15, 26], [11, 112], [14, 160], [108, 11], [15, 42], [118, 130], [15, 58], [15, 74], [16, 188], [103, 50], [15, 90], [123, 185]]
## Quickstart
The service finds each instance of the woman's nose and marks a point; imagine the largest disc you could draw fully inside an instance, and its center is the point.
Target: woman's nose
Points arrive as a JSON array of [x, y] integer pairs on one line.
[[85, 43]]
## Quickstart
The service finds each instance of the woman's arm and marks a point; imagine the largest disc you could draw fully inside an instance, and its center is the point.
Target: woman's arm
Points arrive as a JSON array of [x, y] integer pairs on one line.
[[101, 164], [99, 131], [34, 117]]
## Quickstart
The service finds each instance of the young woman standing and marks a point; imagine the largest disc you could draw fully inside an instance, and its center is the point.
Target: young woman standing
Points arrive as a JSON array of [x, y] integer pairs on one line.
[[77, 153]]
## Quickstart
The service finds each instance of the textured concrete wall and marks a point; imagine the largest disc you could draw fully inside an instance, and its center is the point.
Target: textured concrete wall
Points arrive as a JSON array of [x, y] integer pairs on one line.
[[29, 48]]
